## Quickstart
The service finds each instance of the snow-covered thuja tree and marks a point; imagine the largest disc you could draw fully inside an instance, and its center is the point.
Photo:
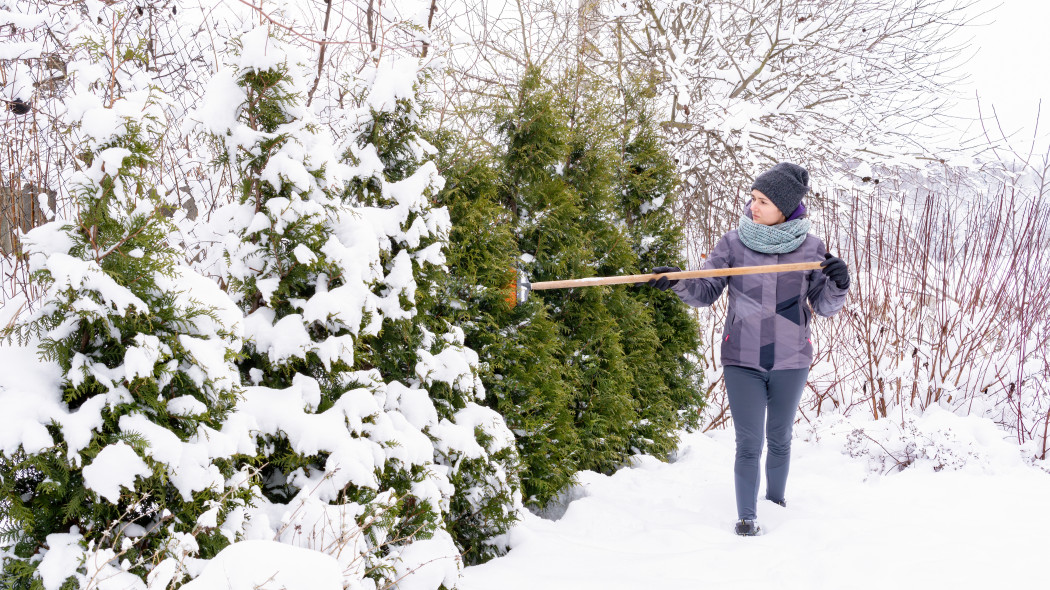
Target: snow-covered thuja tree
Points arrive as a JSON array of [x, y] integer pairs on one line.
[[346, 429], [423, 346], [120, 471]]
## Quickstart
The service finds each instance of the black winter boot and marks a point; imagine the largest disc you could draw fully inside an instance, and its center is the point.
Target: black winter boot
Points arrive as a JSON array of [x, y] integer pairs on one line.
[[747, 527]]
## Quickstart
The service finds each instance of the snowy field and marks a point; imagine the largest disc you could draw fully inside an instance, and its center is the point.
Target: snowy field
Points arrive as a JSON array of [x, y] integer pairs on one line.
[[669, 526]]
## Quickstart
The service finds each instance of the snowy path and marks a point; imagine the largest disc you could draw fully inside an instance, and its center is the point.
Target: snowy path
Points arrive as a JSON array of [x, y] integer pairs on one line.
[[668, 526]]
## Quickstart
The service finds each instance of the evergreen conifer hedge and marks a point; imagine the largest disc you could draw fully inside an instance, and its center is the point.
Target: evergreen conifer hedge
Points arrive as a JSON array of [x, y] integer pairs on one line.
[[576, 187]]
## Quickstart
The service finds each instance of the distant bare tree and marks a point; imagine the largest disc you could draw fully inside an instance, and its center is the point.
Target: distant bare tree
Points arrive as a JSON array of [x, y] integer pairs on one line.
[[826, 83]]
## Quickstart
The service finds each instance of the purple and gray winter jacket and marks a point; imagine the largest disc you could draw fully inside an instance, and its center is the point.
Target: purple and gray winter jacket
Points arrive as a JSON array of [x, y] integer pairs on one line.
[[767, 324]]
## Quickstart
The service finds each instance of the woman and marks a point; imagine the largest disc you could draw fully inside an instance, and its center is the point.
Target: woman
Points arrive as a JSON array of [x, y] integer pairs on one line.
[[766, 349]]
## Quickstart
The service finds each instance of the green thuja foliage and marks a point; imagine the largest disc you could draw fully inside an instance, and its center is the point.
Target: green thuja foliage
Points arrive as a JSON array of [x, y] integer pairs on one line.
[[671, 397], [592, 168], [629, 181], [559, 187], [578, 186], [522, 349]]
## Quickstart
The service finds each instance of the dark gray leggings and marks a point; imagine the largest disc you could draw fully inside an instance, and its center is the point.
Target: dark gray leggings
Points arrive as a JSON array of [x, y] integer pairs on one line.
[[762, 401]]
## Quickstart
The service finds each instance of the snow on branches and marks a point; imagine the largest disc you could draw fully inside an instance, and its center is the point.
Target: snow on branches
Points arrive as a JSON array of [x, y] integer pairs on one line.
[[288, 401]]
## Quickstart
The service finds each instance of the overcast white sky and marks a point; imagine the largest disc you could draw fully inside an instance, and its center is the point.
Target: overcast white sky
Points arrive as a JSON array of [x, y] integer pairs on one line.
[[1012, 67]]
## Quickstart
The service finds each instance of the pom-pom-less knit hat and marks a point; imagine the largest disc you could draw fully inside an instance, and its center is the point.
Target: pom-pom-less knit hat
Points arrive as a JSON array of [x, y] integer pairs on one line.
[[785, 184]]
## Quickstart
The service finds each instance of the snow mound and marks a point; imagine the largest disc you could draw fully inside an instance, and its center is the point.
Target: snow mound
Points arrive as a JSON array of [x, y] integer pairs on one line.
[[249, 565]]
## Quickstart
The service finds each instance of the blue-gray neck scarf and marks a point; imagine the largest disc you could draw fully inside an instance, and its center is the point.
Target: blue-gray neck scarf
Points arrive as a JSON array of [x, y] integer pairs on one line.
[[773, 239]]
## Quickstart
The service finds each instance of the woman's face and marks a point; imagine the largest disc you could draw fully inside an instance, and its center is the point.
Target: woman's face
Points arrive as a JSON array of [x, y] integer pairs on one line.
[[764, 211]]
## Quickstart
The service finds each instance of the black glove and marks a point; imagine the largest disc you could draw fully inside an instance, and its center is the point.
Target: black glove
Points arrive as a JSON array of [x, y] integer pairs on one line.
[[664, 283], [836, 270]]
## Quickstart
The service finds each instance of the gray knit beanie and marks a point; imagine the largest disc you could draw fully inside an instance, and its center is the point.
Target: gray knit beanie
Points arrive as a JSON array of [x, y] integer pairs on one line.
[[785, 184]]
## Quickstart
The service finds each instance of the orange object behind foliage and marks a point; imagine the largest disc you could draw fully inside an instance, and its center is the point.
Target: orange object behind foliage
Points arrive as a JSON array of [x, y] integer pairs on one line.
[[511, 290]]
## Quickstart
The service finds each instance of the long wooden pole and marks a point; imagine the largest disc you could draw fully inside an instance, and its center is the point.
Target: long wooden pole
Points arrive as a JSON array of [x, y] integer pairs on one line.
[[685, 274]]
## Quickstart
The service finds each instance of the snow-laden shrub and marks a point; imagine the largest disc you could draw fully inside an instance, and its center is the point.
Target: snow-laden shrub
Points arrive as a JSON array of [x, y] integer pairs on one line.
[[477, 447], [324, 248], [935, 439], [907, 444], [119, 468], [423, 346]]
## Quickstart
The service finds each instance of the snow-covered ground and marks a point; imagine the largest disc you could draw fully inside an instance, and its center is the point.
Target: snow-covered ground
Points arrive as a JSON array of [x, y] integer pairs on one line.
[[983, 524], [968, 512]]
